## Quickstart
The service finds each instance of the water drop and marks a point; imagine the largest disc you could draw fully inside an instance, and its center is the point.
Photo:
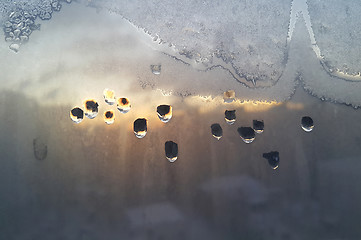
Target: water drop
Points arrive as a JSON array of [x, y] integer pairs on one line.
[[91, 108], [164, 113], [273, 158], [77, 115], [109, 117], [217, 131], [258, 126], [171, 151], [109, 96], [123, 105], [140, 127], [307, 124], [230, 116], [247, 134]]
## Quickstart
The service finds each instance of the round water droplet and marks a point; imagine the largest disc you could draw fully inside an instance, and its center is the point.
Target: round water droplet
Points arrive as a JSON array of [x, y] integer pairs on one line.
[[140, 127], [77, 115], [230, 116], [171, 151], [123, 105], [247, 134], [273, 158], [164, 113], [109, 117], [109, 96], [217, 131], [307, 124], [258, 126], [91, 108]]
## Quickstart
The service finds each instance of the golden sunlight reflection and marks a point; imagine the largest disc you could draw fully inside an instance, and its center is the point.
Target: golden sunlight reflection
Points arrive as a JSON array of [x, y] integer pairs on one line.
[[294, 106], [259, 106], [207, 104]]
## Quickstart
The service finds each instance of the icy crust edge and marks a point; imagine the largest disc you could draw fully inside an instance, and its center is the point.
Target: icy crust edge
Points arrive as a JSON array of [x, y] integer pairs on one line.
[[336, 58], [213, 57]]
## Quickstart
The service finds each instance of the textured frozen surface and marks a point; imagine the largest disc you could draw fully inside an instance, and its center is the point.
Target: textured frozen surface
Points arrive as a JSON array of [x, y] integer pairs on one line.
[[101, 50], [316, 80], [249, 35], [336, 25], [101, 182], [18, 18]]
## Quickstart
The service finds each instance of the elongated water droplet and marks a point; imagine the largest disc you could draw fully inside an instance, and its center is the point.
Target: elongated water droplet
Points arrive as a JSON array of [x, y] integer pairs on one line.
[[140, 127], [171, 151], [307, 124]]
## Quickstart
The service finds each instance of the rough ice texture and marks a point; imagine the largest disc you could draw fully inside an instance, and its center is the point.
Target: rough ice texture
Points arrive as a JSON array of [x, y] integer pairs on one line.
[[18, 18], [315, 79], [336, 25], [251, 36], [133, 53]]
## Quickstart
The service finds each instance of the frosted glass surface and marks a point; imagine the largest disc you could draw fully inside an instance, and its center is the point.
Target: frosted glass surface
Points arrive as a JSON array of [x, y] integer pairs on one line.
[[66, 176]]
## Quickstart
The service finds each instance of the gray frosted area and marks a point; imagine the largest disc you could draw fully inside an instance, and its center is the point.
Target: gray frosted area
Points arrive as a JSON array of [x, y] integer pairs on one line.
[[250, 36], [315, 79], [336, 26], [206, 42]]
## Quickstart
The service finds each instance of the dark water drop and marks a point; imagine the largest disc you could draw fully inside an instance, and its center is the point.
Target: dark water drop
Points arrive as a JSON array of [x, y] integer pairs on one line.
[[108, 114], [140, 127], [247, 134], [216, 130], [164, 113], [91, 108], [77, 115], [109, 117], [230, 116], [258, 126], [307, 124], [123, 105], [171, 151], [273, 158]]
